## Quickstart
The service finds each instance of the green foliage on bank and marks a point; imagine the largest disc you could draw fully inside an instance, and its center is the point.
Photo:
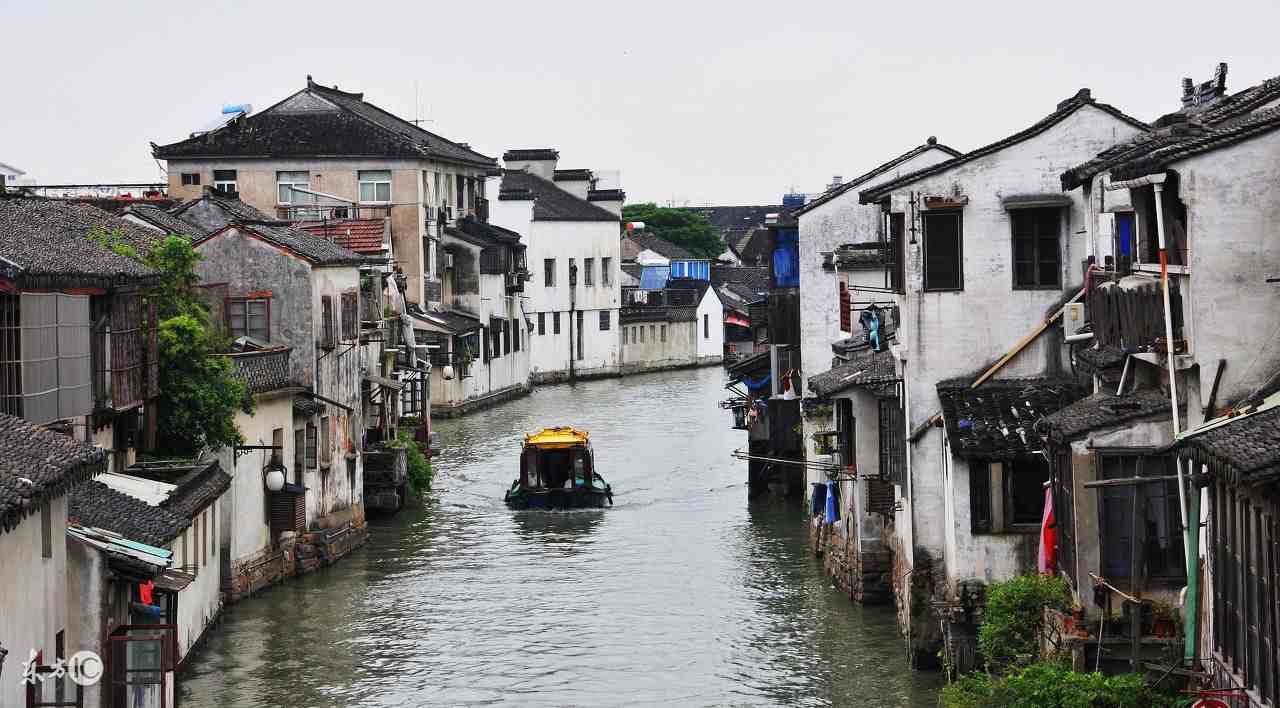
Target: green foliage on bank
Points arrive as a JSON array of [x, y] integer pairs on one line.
[[200, 393], [1053, 685], [1013, 619], [682, 227], [419, 466]]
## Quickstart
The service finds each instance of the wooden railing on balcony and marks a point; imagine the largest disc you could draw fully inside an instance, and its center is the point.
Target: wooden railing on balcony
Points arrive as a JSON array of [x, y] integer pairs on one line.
[[1132, 319]]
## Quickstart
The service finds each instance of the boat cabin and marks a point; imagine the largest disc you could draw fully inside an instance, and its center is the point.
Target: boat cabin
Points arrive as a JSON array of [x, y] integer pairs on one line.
[[556, 458]]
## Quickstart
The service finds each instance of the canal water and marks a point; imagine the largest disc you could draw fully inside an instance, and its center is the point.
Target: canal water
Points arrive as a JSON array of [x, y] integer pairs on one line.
[[682, 594]]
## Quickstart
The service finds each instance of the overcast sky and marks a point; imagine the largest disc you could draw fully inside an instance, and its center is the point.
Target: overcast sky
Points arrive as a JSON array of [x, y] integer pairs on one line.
[[720, 103]]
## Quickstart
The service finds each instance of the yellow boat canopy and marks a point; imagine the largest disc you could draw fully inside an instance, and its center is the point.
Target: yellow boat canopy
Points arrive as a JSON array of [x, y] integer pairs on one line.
[[557, 438]]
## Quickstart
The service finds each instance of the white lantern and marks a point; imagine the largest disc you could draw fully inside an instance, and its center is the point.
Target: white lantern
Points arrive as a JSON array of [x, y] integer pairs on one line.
[[448, 372], [275, 479]]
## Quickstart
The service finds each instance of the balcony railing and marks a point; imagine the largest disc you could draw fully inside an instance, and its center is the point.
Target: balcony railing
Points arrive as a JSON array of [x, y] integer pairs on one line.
[[1132, 319]]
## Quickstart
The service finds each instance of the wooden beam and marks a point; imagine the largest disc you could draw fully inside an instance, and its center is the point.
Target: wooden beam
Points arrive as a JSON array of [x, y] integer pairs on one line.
[[1022, 344], [1127, 481]]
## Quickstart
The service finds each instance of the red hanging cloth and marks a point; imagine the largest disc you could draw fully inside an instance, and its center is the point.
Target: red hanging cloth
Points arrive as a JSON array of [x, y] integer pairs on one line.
[[144, 592], [1048, 560]]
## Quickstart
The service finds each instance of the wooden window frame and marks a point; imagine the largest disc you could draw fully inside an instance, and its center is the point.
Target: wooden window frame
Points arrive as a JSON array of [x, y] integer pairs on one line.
[[190, 179], [606, 264], [588, 272], [548, 272], [605, 321], [1101, 455], [555, 322], [350, 315], [227, 304], [327, 339], [1036, 257], [324, 443], [924, 245], [542, 323], [311, 460]]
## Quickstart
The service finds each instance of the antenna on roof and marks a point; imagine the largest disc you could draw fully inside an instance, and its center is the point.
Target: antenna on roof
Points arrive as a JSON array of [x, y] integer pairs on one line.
[[417, 108]]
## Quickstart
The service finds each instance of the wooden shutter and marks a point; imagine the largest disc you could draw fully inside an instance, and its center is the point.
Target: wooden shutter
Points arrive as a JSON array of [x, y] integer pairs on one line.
[[846, 316], [326, 324], [350, 305], [979, 497]]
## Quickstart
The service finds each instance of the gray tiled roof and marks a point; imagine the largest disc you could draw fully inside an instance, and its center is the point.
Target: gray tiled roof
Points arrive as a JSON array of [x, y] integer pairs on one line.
[[316, 249], [1000, 418], [754, 278], [163, 220], [37, 465], [1189, 145], [1066, 108], [95, 504], [1104, 410], [1247, 444], [48, 239], [660, 246], [198, 489], [234, 209], [550, 203], [866, 367], [357, 128]]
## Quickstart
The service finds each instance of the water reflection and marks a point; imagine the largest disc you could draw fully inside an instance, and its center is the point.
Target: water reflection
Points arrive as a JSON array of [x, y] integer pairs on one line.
[[681, 594]]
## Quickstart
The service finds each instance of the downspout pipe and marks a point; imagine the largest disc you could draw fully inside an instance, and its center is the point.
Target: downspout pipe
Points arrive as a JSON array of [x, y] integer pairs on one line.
[[1190, 535]]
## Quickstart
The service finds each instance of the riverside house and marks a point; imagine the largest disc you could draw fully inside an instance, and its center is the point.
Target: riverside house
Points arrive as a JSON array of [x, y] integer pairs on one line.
[[986, 231], [295, 297], [328, 157], [850, 267], [570, 221], [1182, 411]]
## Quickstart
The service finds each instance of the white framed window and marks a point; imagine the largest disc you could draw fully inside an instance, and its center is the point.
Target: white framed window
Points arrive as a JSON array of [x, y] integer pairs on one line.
[[375, 186], [589, 272], [285, 184], [225, 181]]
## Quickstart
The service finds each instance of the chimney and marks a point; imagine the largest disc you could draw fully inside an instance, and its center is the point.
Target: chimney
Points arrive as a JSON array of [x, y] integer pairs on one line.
[[539, 161], [836, 181], [576, 182], [1188, 92]]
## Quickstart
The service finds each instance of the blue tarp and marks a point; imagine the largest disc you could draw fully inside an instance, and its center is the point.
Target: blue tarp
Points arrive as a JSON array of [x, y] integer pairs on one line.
[[654, 277], [786, 259], [819, 494], [759, 383]]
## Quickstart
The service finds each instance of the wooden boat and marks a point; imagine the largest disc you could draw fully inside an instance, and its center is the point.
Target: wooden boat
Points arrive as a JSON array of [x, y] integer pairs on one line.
[[558, 471]]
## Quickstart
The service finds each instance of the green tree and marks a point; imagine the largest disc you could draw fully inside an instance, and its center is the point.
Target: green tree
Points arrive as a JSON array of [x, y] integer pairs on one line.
[[1013, 619], [682, 227], [199, 391]]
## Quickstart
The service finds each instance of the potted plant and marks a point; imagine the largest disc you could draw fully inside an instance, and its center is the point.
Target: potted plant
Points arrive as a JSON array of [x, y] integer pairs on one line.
[[1163, 624]]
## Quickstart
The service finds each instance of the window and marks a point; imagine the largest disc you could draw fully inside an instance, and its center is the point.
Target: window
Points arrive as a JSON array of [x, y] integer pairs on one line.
[[549, 275], [1140, 523], [606, 276], [190, 179], [311, 447], [555, 323], [1036, 259], [285, 184], [350, 317], [1126, 244], [896, 227], [299, 453], [326, 322], [573, 273], [542, 323], [225, 181], [46, 531], [653, 333], [604, 321], [506, 337], [324, 441], [663, 331], [893, 441], [375, 186], [706, 326], [641, 328], [277, 441], [626, 335], [579, 333], [943, 252], [515, 335], [1007, 496], [249, 317], [588, 272]]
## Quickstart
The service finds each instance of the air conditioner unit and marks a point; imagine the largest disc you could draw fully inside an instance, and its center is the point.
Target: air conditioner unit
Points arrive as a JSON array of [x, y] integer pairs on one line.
[[448, 260], [1072, 317]]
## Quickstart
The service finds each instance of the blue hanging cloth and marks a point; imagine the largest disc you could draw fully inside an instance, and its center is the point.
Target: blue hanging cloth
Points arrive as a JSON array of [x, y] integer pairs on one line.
[[758, 384], [818, 496], [833, 508]]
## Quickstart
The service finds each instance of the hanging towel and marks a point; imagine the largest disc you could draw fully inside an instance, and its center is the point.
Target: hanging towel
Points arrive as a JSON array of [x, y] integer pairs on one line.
[[833, 503], [818, 498], [1048, 561]]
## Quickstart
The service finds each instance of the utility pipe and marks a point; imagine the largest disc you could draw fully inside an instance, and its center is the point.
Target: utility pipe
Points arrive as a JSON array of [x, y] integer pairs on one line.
[[1078, 337], [1190, 536]]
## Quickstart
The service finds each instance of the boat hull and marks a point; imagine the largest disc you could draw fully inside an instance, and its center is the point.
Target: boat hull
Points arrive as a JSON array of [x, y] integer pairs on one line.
[[559, 498]]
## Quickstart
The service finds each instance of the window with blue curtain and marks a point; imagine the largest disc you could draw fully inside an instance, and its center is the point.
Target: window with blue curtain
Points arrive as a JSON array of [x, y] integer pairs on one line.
[[786, 259]]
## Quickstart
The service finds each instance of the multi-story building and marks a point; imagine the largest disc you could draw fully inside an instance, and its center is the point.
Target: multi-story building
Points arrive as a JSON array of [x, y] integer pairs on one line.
[[570, 221], [325, 155]]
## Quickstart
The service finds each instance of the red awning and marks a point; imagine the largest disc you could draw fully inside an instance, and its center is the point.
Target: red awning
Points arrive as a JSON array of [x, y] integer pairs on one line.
[[735, 319]]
